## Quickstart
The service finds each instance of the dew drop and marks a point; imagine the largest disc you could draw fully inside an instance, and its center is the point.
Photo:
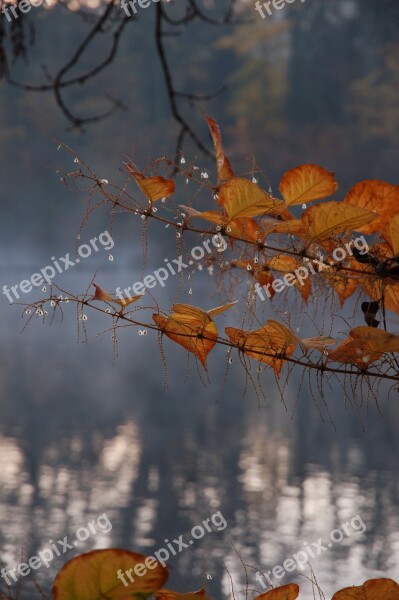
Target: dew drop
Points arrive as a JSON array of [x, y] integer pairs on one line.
[[190, 291], [216, 196], [230, 361], [183, 215], [154, 209], [60, 298], [249, 268], [163, 200], [59, 147], [178, 234], [52, 303], [304, 206], [76, 160], [78, 236], [182, 160], [39, 312], [142, 332], [195, 168], [66, 300], [28, 311], [204, 175], [108, 310], [167, 225], [228, 229], [114, 338], [210, 269], [200, 267], [44, 289], [256, 260], [208, 576], [218, 228], [104, 181], [142, 217], [83, 317], [110, 257], [187, 180], [254, 180], [259, 370]]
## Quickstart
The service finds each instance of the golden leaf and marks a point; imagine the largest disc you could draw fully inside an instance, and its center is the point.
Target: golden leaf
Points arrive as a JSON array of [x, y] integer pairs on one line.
[[284, 592], [165, 594], [243, 198], [373, 589], [378, 196], [192, 328], [154, 188], [306, 183], [318, 343], [267, 344], [329, 218], [105, 297], [93, 575], [364, 346], [224, 169]]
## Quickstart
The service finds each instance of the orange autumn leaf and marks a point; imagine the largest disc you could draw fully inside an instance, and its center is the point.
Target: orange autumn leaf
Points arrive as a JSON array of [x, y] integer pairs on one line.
[[391, 234], [373, 589], [306, 183], [267, 344], [245, 228], [93, 575], [209, 215], [377, 196], [344, 283], [364, 346], [294, 227], [192, 328], [154, 188], [242, 198], [288, 264], [165, 594], [221, 309], [345, 286], [224, 169], [284, 592], [318, 343], [329, 218], [242, 228], [102, 295]]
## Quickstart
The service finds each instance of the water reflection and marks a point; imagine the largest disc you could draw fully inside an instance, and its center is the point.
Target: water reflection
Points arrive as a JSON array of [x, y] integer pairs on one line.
[[80, 437]]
